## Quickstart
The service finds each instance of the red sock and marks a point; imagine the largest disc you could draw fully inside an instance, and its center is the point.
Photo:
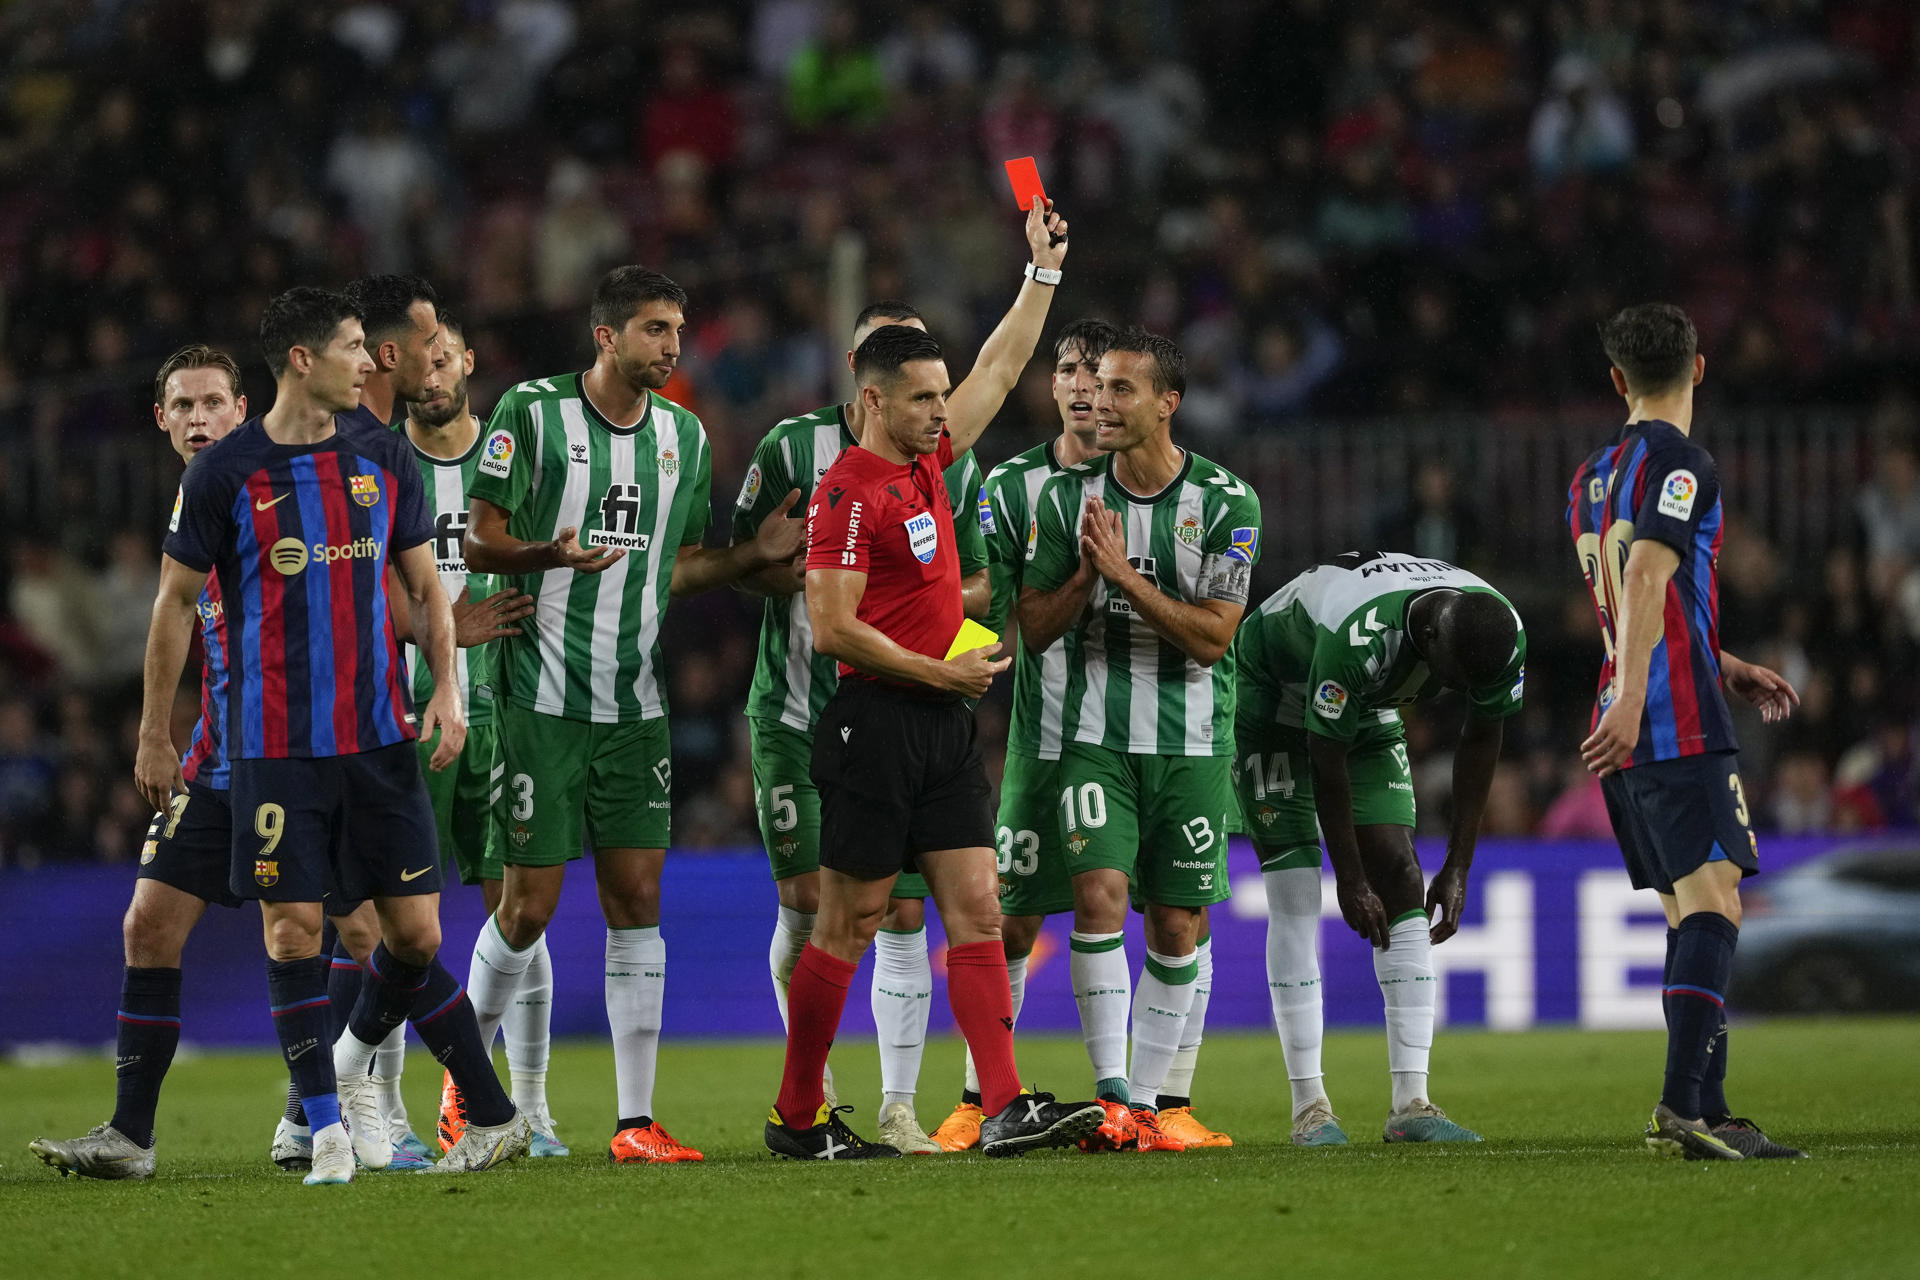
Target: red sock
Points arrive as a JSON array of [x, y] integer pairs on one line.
[[815, 999], [983, 1007]]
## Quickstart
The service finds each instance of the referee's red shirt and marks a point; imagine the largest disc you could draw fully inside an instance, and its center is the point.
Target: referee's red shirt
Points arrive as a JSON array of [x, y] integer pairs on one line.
[[894, 524]]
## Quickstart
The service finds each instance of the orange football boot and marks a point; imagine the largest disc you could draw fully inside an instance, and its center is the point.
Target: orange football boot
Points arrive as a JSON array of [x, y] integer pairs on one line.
[[651, 1145], [1180, 1123], [453, 1113], [1115, 1132], [961, 1130], [1149, 1136]]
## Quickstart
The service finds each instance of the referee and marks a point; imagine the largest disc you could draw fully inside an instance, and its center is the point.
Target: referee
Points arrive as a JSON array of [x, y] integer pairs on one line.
[[895, 756]]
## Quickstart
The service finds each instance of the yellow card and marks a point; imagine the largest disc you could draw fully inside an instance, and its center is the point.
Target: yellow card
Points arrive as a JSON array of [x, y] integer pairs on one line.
[[970, 636]]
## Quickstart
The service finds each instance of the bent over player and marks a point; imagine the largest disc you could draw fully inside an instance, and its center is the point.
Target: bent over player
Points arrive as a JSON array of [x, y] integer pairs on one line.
[[1325, 665], [897, 757], [1646, 520]]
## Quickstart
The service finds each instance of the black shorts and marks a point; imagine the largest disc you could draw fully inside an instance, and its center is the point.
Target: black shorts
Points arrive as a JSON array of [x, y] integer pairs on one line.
[[900, 774], [339, 829], [190, 846], [1672, 817]]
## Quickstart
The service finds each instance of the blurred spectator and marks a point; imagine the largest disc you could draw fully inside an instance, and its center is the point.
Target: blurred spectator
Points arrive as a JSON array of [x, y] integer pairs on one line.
[[1437, 522], [1889, 509], [1581, 126], [1801, 803], [688, 112], [126, 597], [385, 176], [835, 77], [56, 607], [578, 237], [1579, 812], [27, 774], [927, 51]]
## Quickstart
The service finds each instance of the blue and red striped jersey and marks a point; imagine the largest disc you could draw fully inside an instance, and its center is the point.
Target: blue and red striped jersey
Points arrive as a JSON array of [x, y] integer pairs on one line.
[[1654, 482], [206, 759], [298, 538]]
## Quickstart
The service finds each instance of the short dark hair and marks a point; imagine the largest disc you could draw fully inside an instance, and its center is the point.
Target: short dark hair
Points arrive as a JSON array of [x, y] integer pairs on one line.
[[1480, 629], [385, 301], [624, 290], [888, 348], [303, 316], [1092, 336], [1169, 364], [452, 321], [196, 355], [887, 309], [1653, 344]]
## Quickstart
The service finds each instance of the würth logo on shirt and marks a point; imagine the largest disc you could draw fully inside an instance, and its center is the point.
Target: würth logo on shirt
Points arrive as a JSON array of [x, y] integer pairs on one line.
[[849, 556]]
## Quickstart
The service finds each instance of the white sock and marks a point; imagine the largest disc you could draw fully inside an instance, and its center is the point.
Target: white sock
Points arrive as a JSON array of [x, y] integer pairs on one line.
[[902, 999], [1102, 987], [1293, 977], [352, 1056], [493, 977], [389, 1060], [1160, 1006], [1407, 986], [1017, 984], [636, 990], [1179, 1083], [528, 1031], [791, 933]]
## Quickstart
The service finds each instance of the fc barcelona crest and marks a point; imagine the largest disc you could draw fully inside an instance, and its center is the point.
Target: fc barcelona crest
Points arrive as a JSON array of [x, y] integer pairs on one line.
[[266, 872], [365, 490]]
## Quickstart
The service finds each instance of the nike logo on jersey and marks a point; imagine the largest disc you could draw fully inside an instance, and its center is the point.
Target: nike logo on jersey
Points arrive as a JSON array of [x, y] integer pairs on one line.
[[408, 877], [258, 505]]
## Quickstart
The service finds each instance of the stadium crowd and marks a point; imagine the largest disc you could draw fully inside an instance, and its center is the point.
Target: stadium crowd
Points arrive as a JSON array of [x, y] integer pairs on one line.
[[1343, 211]]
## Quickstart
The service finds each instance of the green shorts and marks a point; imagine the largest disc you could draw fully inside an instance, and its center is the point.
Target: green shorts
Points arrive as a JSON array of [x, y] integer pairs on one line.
[[788, 804], [1274, 783], [1033, 863], [570, 783], [1160, 819], [465, 799]]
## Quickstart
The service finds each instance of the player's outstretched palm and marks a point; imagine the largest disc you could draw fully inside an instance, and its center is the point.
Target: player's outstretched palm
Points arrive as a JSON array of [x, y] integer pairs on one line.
[[780, 539], [584, 559], [1763, 687], [1361, 908], [477, 621], [971, 673], [444, 712]]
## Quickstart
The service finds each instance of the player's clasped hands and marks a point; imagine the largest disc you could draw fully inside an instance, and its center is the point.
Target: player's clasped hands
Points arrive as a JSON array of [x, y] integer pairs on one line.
[[475, 622], [584, 559], [971, 673], [1103, 541]]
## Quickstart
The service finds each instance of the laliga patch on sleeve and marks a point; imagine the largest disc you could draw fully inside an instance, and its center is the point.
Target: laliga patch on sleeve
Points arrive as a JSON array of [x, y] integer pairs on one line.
[[749, 488], [1677, 493], [1330, 700], [1519, 686], [986, 513], [1245, 545], [173, 525], [497, 458]]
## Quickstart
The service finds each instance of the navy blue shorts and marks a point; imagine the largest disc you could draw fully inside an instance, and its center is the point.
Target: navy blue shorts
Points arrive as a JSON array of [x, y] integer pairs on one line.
[[339, 830], [190, 846], [1672, 817]]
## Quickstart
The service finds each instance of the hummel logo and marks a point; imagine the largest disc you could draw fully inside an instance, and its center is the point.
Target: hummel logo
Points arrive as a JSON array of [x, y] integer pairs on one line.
[[408, 877], [845, 734], [258, 505], [1033, 1111], [831, 1150]]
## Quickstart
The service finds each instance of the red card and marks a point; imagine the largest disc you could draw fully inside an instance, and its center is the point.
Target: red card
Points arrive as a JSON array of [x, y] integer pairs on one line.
[[1025, 177]]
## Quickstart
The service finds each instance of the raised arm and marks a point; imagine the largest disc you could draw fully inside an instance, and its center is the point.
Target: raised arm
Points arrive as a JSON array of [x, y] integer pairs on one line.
[[1007, 349], [156, 766]]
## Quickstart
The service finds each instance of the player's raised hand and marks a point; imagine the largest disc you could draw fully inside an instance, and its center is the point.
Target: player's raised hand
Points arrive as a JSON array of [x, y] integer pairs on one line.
[[1448, 893], [779, 538], [971, 673], [478, 621], [1764, 687], [584, 559], [156, 772], [445, 713], [1610, 746], [1361, 908], [1103, 541], [1046, 235]]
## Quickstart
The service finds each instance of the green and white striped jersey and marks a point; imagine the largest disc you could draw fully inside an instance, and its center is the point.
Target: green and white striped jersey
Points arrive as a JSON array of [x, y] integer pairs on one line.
[[591, 650], [791, 683], [1197, 539], [1008, 508], [1329, 652], [447, 481]]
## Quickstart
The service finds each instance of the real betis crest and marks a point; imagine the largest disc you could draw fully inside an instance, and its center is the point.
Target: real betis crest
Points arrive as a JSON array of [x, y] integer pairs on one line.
[[365, 490], [668, 463], [1189, 530]]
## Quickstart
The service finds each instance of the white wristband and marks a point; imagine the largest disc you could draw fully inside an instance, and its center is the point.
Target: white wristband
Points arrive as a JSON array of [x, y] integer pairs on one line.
[[1043, 275]]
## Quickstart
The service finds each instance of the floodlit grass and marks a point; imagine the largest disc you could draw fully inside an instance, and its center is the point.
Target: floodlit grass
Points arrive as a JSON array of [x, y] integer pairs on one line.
[[1562, 1187]]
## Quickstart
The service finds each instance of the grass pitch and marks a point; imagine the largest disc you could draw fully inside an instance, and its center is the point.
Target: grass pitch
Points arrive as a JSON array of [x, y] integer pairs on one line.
[[1562, 1187]]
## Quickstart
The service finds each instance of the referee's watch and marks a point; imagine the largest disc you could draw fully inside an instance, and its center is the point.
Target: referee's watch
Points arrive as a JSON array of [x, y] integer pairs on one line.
[[1043, 275]]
